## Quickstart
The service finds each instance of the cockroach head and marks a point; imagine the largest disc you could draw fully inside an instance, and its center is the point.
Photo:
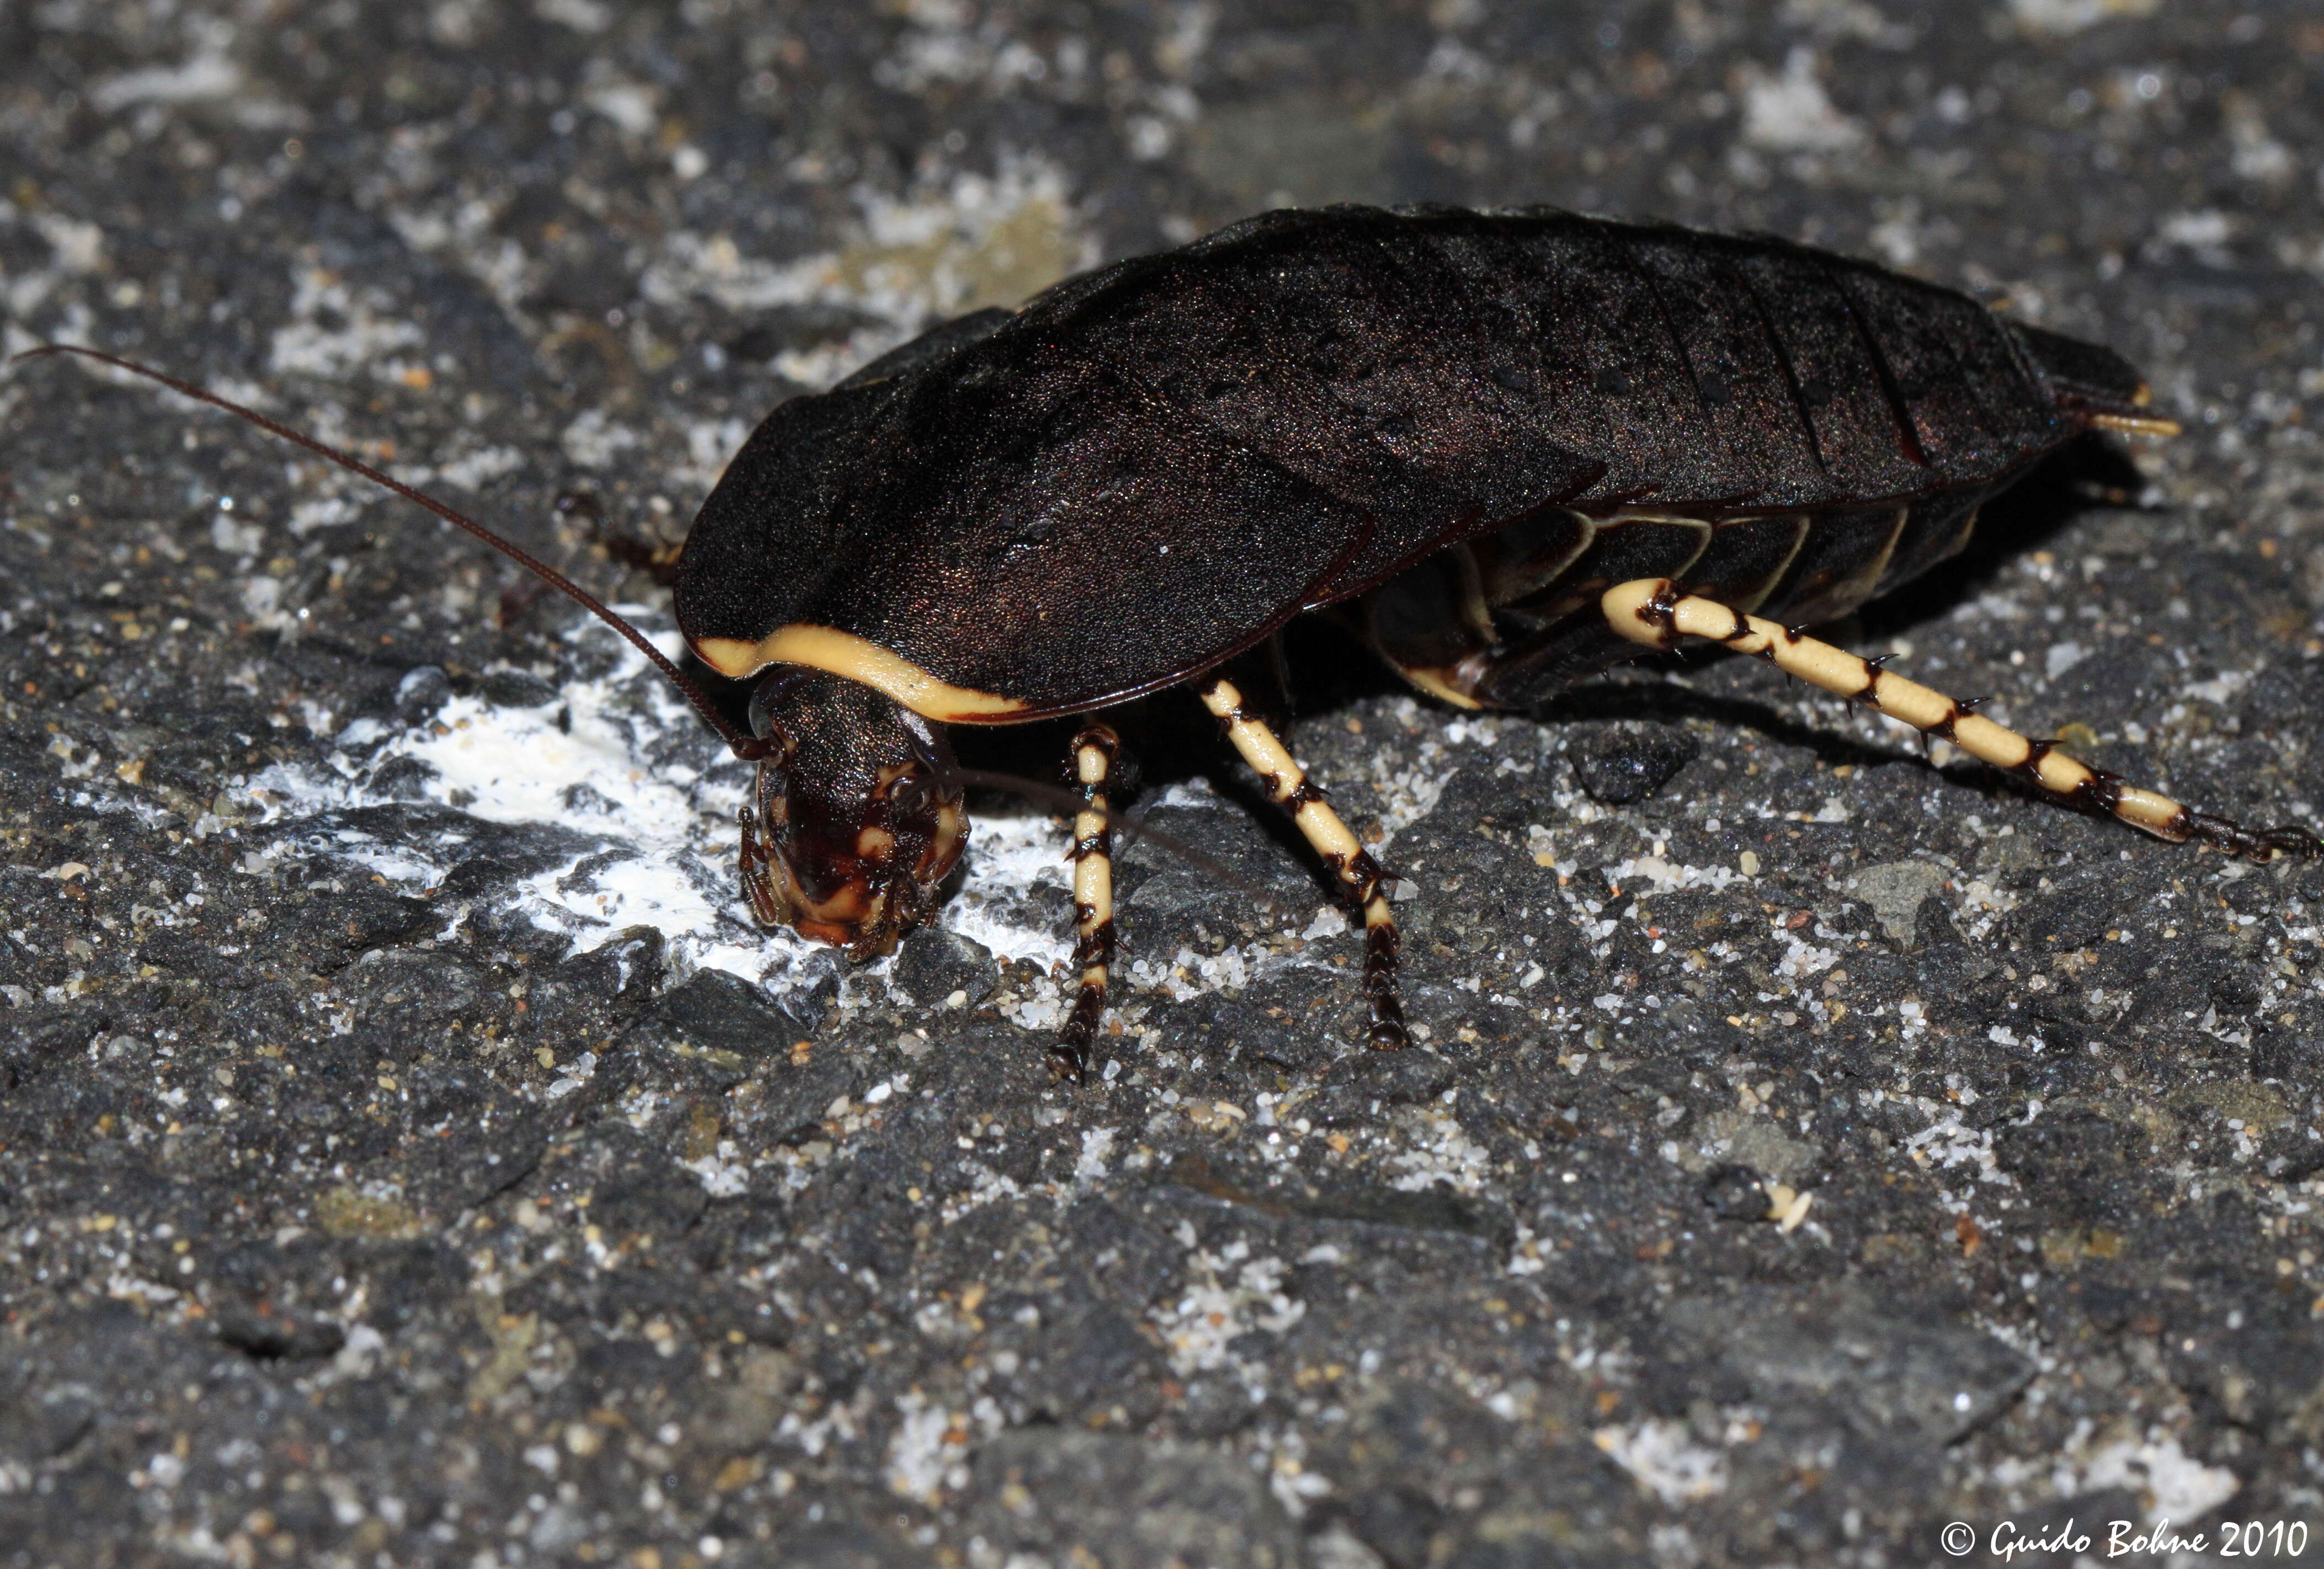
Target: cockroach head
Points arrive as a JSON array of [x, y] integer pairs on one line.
[[861, 805]]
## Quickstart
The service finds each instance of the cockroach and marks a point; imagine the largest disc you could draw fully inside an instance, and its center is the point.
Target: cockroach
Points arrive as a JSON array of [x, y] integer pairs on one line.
[[1515, 448]]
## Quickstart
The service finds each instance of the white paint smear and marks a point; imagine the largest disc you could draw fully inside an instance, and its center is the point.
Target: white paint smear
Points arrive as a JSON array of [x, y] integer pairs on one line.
[[2060, 17], [335, 328], [1664, 1460], [1790, 113], [973, 241], [2171, 1484], [205, 75], [621, 759]]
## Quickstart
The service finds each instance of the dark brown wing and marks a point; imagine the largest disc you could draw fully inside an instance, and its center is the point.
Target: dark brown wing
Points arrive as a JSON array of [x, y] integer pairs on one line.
[[1016, 521], [1150, 467]]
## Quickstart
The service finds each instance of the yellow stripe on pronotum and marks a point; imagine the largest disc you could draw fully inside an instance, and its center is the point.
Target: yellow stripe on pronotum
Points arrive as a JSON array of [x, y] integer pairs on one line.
[[843, 653]]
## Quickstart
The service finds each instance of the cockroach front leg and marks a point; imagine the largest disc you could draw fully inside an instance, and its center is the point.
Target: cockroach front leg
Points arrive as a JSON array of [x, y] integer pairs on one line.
[[1352, 867], [1653, 612], [1095, 751], [758, 884]]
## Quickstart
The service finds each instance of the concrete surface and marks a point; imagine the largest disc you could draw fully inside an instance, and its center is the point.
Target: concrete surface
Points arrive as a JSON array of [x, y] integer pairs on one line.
[[408, 1154]]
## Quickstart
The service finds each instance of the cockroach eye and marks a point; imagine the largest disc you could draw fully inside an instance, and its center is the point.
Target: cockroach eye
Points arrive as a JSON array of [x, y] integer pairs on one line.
[[762, 716]]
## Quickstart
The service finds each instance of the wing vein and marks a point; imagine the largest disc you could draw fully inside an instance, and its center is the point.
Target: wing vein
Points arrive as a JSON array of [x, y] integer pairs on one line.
[[1897, 406]]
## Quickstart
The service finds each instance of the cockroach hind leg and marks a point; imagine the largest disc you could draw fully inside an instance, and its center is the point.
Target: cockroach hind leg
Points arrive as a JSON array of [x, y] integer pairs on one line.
[[1932, 712], [1357, 875], [1095, 765]]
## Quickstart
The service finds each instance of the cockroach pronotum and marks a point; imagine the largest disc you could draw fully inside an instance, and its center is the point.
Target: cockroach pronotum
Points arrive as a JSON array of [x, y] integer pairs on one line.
[[1517, 446]]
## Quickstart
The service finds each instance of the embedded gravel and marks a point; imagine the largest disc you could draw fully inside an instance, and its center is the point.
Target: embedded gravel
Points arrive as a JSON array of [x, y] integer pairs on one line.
[[410, 1153]]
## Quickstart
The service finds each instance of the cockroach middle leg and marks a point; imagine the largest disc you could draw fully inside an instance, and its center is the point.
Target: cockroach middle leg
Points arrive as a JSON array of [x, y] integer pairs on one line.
[[1095, 751], [1357, 873], [1653, 612]]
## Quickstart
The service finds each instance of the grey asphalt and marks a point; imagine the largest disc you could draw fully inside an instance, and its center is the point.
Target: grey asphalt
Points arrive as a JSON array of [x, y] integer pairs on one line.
[[410, 1153]]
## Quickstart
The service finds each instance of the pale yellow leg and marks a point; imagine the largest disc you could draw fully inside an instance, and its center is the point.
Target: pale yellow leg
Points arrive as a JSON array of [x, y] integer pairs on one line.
[[1652, 611], [1095, 752], [1358, 874]]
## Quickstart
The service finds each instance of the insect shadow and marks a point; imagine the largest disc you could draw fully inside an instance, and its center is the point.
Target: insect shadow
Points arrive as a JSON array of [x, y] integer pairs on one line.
[[2087, 474], [1164, 743]]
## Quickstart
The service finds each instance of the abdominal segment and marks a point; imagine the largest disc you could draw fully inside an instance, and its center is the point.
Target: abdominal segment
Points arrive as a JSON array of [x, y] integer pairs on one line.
[[1508, 619]]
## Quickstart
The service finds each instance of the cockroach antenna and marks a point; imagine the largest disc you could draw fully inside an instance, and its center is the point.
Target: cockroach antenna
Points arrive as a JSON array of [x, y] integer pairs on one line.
[[889, 558], [747, 747]]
